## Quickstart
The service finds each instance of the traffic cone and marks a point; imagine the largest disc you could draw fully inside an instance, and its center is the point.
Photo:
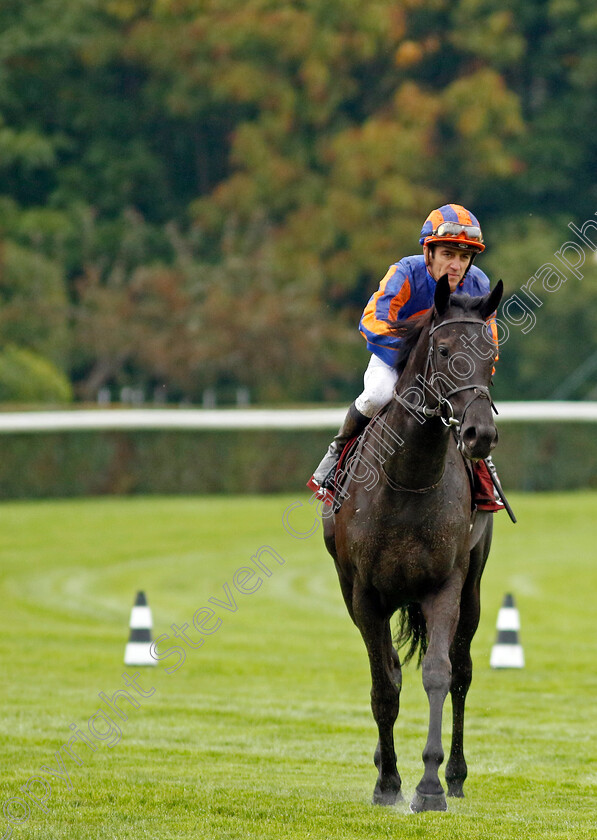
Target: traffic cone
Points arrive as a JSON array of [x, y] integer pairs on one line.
[[507, 651], [139, 643]]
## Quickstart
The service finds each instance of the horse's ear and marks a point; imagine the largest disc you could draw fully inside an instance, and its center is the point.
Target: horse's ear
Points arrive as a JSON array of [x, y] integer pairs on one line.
[[442, 295], [490, 302]]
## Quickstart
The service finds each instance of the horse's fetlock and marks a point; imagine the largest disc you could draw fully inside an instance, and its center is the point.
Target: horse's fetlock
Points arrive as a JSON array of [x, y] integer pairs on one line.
[[434, 755]]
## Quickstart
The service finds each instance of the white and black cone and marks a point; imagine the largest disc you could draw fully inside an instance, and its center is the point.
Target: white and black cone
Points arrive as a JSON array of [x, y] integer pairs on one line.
[[507, 651], [139, 643]]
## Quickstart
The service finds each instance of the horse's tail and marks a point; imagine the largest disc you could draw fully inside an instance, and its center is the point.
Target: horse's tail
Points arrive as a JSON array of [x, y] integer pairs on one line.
[[412, 632]]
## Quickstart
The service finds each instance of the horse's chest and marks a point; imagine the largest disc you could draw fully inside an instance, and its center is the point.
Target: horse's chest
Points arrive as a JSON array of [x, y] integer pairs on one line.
[[403, 559]]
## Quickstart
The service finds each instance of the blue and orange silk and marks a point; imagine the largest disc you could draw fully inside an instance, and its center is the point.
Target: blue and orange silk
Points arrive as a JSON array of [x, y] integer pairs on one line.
[[407, 290]]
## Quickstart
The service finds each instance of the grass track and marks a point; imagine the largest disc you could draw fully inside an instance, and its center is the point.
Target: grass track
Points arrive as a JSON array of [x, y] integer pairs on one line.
[[266, 731]]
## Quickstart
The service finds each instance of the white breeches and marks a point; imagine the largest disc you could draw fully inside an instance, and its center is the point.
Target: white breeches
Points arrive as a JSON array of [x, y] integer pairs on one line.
[[379, 382]]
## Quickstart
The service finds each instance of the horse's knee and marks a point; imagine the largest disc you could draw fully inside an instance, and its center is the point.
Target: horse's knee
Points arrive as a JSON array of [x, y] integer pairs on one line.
[[386, 695], [385, 702], [437, 674]]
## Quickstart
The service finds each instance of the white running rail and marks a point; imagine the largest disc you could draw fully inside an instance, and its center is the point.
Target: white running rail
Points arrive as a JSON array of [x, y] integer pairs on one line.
[[257, 418]]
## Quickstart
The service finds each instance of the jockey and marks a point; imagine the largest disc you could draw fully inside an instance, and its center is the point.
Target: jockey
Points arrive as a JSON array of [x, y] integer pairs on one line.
[[451, 238]]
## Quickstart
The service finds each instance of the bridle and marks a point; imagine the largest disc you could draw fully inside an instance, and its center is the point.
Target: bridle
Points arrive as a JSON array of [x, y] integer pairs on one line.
[[444, 408], [433, 383]]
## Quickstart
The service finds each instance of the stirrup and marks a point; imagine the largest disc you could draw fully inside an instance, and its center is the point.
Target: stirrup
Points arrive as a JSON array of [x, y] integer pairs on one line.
[[321, 492]]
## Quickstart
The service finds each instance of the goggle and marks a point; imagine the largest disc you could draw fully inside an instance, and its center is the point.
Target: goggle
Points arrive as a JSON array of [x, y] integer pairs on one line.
[[455, 228]]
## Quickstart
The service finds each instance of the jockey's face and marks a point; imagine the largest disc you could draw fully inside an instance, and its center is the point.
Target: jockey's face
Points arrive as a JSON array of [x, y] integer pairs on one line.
[[442, 259]]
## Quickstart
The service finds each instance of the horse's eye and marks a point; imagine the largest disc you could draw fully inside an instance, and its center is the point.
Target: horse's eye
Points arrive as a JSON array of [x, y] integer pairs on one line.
[[442, 350]]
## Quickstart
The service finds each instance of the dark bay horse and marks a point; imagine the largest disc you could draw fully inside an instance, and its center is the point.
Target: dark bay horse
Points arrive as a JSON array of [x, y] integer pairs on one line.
[[403, 539]]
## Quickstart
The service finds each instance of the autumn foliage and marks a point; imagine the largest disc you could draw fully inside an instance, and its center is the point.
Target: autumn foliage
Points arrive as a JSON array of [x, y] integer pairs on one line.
[[204, 193]]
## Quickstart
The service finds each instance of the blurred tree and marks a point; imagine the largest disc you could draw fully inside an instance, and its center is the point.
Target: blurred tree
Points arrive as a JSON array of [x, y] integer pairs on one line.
[[34, 310], [551, 333], [214, 188], [328, 133], [545, 52], [27, 377], [194, 325]]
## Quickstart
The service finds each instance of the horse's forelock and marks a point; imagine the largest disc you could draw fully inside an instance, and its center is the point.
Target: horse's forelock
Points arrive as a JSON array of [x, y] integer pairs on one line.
[[466, 303]]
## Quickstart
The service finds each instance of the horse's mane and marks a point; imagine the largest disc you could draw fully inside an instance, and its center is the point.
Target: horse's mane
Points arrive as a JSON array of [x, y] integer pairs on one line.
[[409, 331]]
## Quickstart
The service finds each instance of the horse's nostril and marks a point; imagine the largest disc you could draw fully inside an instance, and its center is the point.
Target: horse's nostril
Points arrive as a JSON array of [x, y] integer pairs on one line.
[[479, 440], [470, 435]]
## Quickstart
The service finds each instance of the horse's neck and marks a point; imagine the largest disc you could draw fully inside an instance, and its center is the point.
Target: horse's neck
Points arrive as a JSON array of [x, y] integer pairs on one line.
[[419, 448], [419, 443]]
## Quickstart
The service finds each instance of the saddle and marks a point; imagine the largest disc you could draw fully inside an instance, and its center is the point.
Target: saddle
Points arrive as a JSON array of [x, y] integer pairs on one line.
[[342, 473]]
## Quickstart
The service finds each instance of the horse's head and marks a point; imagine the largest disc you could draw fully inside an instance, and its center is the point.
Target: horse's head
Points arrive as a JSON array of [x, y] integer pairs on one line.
[[462, 351]]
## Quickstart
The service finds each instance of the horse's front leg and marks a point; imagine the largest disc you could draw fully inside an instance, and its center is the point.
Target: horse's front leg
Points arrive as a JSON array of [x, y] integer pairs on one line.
[[386, 681], [460, 655], [441, 613], [462, 672]]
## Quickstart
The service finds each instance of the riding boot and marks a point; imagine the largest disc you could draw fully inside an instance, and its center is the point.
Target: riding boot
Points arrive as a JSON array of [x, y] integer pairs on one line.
[[323, 478]]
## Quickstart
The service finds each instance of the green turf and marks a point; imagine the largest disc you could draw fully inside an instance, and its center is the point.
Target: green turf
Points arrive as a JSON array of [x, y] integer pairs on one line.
[[265, 731]]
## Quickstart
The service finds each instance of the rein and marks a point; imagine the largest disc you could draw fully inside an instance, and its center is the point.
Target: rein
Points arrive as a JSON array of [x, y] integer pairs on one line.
[[395, 486]]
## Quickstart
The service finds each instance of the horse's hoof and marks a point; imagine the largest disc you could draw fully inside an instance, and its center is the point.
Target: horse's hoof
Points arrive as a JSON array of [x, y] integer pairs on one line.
[[428, 802], [386, 797], [456, 791]]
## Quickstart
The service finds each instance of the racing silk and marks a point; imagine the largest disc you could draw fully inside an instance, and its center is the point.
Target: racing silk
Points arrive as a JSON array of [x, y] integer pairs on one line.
[[407, 290]]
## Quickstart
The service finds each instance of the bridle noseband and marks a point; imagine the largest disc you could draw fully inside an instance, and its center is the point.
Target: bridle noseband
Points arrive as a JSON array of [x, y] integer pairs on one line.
[[444, 409]]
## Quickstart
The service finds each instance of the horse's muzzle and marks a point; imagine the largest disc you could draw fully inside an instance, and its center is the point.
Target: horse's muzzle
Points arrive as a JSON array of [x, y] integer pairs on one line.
[[478, 441]]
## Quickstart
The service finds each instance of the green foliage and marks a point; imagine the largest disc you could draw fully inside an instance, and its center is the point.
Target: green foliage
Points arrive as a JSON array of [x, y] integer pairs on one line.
[[555, 333], [26, 377], [198, 194], [34, 310]]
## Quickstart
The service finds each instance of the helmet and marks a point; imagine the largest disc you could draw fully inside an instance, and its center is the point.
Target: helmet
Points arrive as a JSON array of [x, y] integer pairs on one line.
[[454, 224]]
